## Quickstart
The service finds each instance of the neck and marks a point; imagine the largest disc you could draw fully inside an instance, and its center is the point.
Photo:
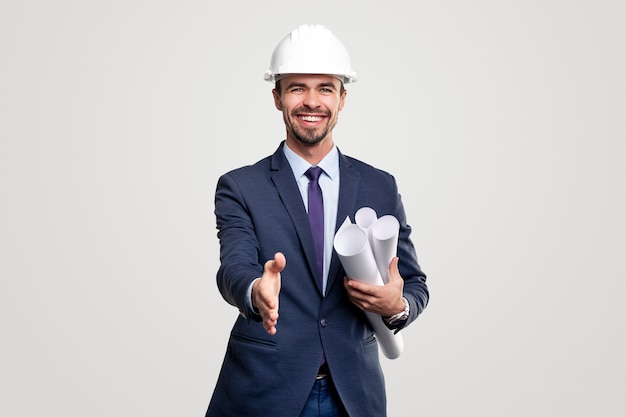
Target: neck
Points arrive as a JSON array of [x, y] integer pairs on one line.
[[313, 154]]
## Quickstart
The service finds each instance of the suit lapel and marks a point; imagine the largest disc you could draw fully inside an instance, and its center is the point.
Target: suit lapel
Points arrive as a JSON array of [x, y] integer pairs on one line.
[[287, 187]]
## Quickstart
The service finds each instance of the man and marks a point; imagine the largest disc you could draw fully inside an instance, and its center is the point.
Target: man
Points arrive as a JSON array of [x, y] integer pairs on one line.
[[302, 344]]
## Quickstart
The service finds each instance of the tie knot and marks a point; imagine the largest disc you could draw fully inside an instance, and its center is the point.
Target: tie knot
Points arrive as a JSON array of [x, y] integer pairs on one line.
[[313, 173]]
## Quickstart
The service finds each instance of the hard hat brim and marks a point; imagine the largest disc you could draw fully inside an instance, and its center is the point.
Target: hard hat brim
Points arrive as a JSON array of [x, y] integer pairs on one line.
[[346, 79]]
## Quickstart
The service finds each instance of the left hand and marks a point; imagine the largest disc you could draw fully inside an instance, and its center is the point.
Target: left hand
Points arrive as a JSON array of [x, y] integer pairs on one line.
[[385, 300]]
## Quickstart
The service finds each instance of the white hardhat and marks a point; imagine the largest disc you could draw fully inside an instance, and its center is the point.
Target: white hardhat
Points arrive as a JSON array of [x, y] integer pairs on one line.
[[310, 49]]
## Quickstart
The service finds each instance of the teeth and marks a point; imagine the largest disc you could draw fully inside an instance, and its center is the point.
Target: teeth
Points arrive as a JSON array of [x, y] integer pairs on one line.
[[311, 118]]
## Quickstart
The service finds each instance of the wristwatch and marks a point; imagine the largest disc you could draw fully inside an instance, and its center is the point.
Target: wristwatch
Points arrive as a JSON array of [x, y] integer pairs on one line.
[[401, 316]]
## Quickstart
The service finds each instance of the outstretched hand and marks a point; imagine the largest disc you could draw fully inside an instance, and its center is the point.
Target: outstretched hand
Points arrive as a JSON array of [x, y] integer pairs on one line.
[[385, 300], [265, 292]]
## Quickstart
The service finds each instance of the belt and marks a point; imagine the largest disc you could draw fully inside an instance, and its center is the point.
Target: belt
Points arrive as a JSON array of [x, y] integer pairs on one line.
[[323, 372]]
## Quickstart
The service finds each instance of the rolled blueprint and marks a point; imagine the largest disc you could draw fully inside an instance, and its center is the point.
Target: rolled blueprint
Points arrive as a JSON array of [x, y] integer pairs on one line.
[[384, 237], [355, 253], [365, 217]]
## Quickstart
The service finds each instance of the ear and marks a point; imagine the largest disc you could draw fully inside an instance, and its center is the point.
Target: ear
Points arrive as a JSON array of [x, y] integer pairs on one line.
[[342, 100], [277, 102]]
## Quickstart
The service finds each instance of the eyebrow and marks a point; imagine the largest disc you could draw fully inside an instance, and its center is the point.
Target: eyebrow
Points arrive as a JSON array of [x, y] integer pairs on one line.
[[297, 84]]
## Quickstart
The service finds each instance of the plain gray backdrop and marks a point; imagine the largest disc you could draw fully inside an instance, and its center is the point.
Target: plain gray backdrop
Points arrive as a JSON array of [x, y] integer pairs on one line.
[[503, 122]]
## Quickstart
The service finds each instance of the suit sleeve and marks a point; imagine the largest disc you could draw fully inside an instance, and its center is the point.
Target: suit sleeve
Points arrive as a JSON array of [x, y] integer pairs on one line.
[[415, 288], [239, 246]]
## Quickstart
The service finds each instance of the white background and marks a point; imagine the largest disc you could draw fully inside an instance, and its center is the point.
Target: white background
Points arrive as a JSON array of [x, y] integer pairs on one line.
[[503, 122]]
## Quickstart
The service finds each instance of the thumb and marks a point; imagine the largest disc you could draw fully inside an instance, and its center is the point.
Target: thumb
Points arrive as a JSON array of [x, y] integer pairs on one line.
[[276, 265], [394, 272]]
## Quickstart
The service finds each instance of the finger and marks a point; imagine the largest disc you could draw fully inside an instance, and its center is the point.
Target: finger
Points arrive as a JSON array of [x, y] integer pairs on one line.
[[270, 325], [270, 318], [270, 328], [350, 283]]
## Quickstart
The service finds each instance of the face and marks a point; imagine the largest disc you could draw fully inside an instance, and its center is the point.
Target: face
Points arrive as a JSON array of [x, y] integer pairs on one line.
[[310, 106]]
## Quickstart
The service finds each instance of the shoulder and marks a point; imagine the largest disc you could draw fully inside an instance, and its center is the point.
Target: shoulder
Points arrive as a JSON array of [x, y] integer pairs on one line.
[[365, 171], [261, 168], [245, 171]]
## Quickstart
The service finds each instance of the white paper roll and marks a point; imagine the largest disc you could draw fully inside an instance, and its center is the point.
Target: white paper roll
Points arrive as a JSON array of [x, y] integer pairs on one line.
[[391, 344], [357, 258], [385, 243], [365, 217]]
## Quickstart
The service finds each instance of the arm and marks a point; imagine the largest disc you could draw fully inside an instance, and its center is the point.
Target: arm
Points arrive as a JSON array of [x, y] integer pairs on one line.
[[242, 280], [239, 247]]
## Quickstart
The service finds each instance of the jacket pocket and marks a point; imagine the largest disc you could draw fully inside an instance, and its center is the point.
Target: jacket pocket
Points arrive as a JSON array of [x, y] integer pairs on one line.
[[240, 338]]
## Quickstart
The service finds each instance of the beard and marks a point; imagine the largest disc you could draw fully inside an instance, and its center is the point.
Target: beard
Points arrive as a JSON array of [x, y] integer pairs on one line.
[[311, 136]]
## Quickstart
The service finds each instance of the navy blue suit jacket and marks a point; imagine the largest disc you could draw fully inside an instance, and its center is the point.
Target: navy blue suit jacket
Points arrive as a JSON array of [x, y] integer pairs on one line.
[[259, 212]]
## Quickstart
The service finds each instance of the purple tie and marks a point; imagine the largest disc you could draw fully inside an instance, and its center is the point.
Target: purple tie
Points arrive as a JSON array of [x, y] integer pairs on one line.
[[316, 219]]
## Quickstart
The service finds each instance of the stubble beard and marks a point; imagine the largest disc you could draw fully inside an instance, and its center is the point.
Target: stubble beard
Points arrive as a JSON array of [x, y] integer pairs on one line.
[[309, 137]]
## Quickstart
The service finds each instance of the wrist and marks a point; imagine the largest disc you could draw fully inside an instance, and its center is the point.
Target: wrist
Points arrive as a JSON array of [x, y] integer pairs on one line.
[[401, 316]]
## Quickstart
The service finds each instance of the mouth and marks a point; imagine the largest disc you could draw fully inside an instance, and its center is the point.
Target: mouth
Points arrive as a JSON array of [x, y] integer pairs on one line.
[[310, 119]]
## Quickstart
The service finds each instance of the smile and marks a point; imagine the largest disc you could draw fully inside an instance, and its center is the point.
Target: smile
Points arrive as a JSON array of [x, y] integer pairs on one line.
[[310, 118]]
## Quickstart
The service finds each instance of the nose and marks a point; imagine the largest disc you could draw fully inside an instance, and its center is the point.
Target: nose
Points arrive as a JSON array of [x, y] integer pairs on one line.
[[311, 99]]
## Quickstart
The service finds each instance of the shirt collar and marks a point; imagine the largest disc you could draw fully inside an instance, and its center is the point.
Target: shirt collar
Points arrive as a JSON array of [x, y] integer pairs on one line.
[[330, 163]]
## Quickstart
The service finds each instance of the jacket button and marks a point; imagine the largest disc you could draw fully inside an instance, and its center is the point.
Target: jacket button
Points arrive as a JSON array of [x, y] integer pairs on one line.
[[323, 323]]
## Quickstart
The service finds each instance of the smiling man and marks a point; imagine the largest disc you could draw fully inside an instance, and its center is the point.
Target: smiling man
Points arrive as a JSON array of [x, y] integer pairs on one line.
[[302, 344]]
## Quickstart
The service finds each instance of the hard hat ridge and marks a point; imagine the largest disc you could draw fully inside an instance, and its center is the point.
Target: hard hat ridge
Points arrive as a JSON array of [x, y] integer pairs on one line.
[[310, 49]]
